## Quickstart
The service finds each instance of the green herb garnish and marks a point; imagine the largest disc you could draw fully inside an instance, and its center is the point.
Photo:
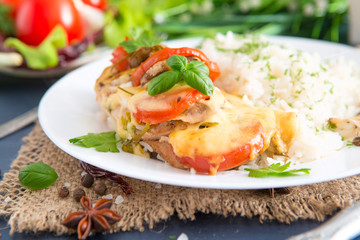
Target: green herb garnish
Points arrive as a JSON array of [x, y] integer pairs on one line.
[[276, 170], [37, 176], [126, 91], [349, 143], [331, 126], [195, 74], [103, 142], [145, 39]]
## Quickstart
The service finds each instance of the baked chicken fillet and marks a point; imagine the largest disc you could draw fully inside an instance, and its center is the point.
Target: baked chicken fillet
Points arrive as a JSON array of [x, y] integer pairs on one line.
[[185, 127]]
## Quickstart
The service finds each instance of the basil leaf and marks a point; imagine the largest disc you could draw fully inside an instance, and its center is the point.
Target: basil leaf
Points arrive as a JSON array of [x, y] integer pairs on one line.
[[103, 142], [197, 77], [276, 170], [177, 62], [37, 176], [195, 74], [198, 66], [163, 82]]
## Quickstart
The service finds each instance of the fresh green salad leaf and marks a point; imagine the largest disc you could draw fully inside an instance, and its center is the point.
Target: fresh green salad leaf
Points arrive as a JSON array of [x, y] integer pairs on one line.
[[6, 23], [276, 170], [113, 30], [129, 15], [37, 176], [195, 74], [102, 142], [45, 55], [145, 39]]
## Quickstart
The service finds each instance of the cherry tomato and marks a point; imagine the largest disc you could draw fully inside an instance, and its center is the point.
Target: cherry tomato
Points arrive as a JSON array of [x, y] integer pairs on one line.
[[36, 18], [176, 101], [231, 159], [119, 58], [214, 71], [14, 5], [100, 4]]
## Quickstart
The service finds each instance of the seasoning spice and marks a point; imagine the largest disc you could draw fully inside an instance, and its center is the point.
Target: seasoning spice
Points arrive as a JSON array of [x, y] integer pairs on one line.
[[87, 180], [78, 194], [100, 188], [63, 192], [99, 217], [98, 172], [356, 141]]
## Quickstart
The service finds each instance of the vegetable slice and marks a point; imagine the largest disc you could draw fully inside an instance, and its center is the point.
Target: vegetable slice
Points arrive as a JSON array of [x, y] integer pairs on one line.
[[120, 58], [167, 105], [214, 71], [243, 152]]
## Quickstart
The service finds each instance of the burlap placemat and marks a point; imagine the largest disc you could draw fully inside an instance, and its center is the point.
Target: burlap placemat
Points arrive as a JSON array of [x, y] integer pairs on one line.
[[43, 210]]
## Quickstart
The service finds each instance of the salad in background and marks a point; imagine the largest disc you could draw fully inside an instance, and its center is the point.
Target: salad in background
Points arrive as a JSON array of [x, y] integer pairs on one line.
[[43, 34]]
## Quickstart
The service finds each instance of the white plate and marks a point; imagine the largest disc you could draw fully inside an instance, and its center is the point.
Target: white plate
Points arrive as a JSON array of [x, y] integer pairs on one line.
[[69, 110]]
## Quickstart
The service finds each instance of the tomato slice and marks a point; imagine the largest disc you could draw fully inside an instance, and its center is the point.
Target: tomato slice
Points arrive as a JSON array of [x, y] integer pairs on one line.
[[166, 106], [231, 159], [120, 58], [214, 71]]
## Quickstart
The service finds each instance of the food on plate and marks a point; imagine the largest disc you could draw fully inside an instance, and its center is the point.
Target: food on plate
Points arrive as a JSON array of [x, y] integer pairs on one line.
[[240, 100], [162, 100]]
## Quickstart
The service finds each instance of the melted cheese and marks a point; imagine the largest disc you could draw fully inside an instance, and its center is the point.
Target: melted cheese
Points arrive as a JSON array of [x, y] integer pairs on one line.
[[237, 126], [116, 104], [211, 106]]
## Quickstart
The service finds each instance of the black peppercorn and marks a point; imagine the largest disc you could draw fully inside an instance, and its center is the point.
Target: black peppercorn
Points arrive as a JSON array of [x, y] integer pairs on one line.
[[100, 188], [87, 180], [63, 192], [78, 194], [356, 141]]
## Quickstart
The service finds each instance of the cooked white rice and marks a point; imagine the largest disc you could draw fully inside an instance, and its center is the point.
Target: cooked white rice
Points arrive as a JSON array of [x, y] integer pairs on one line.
[[267, 74]]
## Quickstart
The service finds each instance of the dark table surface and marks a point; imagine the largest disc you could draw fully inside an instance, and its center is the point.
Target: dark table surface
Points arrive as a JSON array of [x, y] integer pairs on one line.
[[20, 95]]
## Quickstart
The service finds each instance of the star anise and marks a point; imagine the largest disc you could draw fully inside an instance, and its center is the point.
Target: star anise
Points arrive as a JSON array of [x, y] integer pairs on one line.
[[99, 217]]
